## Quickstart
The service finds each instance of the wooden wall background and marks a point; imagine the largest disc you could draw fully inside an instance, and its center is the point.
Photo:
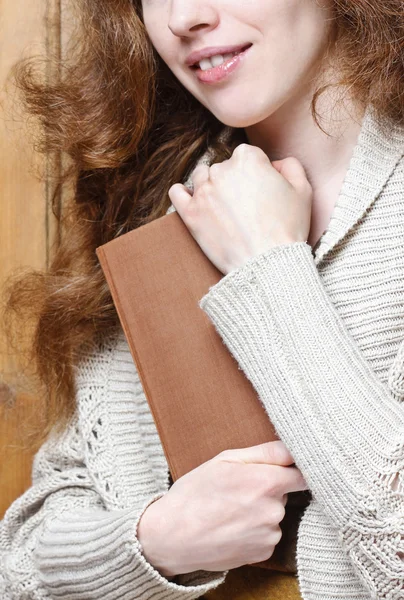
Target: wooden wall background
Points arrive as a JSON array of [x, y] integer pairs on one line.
[[27, 226]]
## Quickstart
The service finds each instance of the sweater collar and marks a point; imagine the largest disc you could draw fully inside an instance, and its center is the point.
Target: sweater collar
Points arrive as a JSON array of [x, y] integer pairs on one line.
[[374, 158]]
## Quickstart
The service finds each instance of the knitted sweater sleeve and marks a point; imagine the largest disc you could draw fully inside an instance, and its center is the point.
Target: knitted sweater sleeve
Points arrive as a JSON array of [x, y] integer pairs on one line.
[[343, 426], [63, 539]]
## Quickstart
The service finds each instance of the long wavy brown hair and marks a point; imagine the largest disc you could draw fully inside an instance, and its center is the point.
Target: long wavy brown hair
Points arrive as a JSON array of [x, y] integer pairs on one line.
[[128, 130]]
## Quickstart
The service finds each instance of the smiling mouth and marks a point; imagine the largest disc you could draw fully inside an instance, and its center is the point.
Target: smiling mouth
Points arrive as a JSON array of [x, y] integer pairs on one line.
[[196, 65]]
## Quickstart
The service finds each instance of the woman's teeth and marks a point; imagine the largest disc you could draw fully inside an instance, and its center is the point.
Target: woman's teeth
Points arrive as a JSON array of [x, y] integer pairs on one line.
[[215, 61]]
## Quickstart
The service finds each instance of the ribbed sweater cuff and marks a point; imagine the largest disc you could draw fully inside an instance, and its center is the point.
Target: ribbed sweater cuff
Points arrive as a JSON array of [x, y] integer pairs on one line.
[[344, 429], [89, 554]]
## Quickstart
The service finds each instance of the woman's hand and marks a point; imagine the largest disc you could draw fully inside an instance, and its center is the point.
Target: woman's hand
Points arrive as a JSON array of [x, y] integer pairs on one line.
[[223, 514], [245, 205]]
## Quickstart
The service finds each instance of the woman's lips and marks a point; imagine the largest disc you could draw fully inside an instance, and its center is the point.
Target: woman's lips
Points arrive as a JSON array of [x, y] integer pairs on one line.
[[222, 71]]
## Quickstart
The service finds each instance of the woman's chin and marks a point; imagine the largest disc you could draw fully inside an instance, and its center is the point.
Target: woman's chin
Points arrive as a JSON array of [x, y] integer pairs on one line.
[[239, 111], [238, 119]]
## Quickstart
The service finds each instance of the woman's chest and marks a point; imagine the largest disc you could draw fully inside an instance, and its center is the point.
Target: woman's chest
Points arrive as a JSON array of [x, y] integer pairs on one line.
[[321, 212]]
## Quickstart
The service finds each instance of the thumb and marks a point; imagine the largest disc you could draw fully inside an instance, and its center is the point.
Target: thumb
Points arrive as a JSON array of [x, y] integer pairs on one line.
[[274, 453], [180, 197], [292, 170]]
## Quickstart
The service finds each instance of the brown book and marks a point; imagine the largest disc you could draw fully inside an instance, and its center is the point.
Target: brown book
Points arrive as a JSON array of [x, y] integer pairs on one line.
[[200, 400]]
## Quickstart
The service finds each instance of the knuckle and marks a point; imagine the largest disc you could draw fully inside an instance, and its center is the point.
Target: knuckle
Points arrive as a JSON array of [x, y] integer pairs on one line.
[[226, 458], [268, 452], [247, 149], [223, 468], [292, 160], [214, 169], [263, 554], [224, 454], [273, 487], [243, 147], [269, 550], [199, 170], [276, 452], [277, 513], [276, 536]]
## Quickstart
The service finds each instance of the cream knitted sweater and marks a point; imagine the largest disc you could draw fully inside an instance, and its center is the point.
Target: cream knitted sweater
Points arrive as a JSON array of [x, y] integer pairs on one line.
[[321, 337]]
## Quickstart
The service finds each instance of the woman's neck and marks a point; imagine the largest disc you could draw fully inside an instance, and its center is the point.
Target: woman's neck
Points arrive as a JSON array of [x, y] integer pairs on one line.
[[291, 131]]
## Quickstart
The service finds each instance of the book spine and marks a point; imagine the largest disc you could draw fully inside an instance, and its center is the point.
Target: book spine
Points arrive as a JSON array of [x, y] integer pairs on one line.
[[103, 260]]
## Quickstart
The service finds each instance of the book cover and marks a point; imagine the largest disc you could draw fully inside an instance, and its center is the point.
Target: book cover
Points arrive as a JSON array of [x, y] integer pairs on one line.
[[200, 400]]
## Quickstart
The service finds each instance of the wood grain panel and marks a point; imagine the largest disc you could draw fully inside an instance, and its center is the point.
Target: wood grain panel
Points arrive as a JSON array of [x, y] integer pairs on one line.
[[27, 226]]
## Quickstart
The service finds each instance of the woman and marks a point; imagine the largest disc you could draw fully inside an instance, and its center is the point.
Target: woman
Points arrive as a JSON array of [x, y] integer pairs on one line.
[[318, 331]]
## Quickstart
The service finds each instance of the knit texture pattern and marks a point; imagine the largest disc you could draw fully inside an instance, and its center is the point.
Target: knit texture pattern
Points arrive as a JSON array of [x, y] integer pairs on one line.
[[321, 337]]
